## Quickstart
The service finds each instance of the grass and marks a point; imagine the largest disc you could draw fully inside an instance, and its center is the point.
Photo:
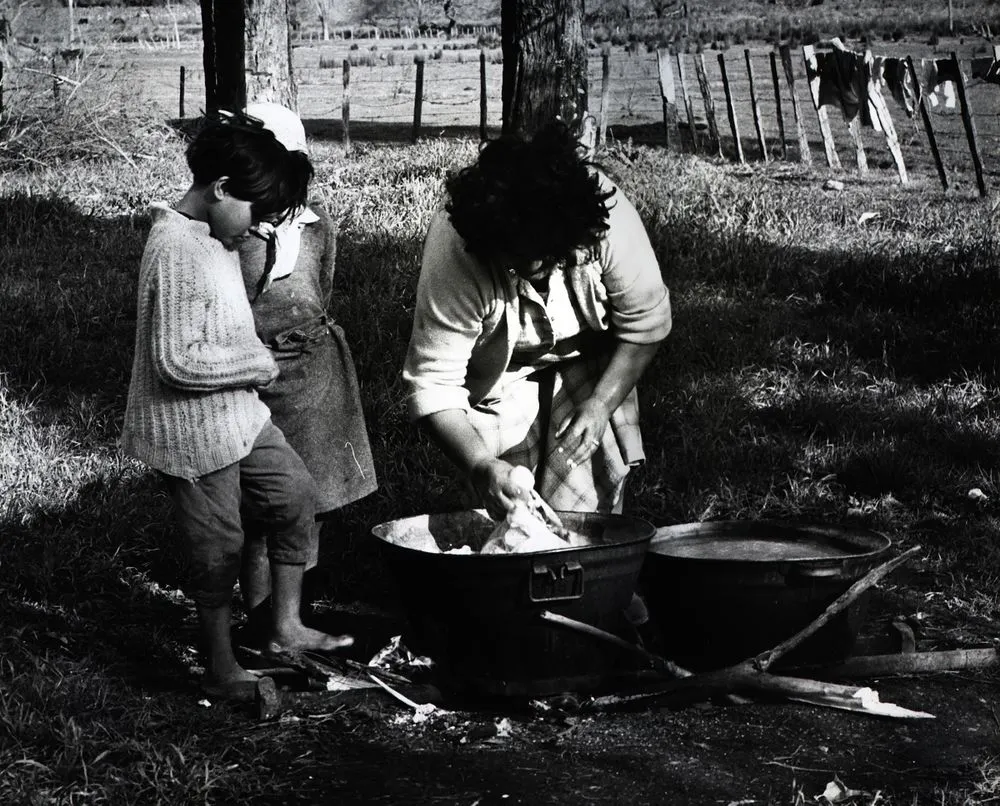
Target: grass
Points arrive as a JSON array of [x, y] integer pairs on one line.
[[820, 368]]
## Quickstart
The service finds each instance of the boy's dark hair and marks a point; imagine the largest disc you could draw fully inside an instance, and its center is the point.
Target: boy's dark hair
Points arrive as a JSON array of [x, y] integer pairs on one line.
[[530, 200], [260, 170]]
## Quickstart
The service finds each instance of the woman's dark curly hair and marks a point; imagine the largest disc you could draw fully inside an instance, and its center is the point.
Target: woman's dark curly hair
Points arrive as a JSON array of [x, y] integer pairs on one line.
[[260, 170], [535, 199]]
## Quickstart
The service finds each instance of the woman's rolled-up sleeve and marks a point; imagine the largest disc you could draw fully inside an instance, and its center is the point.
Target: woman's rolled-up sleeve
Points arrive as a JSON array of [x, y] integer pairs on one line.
[[638, 298], [447, 322]]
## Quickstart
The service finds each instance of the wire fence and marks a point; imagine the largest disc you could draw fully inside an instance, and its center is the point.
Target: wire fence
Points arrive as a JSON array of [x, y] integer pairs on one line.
[[742, 108]]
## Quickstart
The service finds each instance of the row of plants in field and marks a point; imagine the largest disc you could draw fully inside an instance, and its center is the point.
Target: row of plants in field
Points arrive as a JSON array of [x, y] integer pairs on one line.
[[695, 36], [719, 26]]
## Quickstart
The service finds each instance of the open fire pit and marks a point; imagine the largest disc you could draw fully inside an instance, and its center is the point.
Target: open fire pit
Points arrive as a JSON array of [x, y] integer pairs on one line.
[[480, 616]]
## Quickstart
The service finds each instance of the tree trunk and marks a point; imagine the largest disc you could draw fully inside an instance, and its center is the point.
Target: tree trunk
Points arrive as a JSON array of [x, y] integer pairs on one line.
[[222, 30], [247, 53], [269, 74], [544, 64]]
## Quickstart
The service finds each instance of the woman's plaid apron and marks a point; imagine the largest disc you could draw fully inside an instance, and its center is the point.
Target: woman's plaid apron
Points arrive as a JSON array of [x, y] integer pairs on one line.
[[546, 382]]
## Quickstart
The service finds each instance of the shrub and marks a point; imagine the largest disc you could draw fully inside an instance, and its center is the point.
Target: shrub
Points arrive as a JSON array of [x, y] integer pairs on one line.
[[600, 34], [367, 59], [488, 39]]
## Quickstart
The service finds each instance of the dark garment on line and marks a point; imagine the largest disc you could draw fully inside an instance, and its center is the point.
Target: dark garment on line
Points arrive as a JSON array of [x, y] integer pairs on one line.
[[986, 69], [843, 82], [896, 76]]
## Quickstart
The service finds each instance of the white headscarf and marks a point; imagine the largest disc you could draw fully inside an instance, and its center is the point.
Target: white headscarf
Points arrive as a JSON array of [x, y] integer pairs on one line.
[[284, 239]]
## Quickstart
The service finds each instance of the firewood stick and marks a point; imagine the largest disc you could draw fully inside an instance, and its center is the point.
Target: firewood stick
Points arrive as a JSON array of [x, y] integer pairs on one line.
[[661, 664], [741, 677], [764, 660], [744, 679], [948, 660]]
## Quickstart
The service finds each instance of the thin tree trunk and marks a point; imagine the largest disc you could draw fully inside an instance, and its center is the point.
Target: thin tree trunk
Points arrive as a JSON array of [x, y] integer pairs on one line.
[[544, 63], [223, 54]]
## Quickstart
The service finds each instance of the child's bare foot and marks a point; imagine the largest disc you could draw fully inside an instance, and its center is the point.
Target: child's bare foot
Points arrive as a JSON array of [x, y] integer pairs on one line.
[[302, 639]]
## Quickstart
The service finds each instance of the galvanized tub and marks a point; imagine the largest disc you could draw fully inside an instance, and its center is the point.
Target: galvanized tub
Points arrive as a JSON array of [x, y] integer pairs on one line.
[[723, 591], [478, 616]]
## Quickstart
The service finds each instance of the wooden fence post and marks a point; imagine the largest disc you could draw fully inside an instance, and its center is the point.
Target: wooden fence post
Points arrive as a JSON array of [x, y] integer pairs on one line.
[[687, 103], [812, 76], [777, 104], [1, 88], [602, 129], [55, 81], [970, 125], [418, 96], [180, 106], [785, 52], [345, 107], [926, 119], [731, 109], [854, 129], [482, 96], [885, 121], [755, 105], [668, 97], [706, 94]]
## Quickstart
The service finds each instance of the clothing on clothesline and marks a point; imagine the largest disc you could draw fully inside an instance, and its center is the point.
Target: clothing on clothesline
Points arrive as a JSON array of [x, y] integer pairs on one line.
[[845, 81], [937, 82], [893, 73], [986, 69]]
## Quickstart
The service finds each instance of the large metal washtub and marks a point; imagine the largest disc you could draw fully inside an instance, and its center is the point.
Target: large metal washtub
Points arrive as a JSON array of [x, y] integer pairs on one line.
[[479, 616]]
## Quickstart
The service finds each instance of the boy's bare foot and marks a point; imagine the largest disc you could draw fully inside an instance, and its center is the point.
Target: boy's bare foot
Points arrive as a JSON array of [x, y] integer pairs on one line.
[[303, 639]]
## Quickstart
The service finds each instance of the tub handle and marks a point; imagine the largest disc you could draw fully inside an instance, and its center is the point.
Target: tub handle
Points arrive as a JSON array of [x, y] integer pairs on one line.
[[559, 582]]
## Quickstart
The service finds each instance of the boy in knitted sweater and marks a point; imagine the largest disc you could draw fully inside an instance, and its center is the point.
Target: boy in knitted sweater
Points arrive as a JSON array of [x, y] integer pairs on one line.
[[193, 411]]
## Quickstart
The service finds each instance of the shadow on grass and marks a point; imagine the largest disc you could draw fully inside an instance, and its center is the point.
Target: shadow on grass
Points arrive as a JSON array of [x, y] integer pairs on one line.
[[96, 582], [67, 309], [794, 363]]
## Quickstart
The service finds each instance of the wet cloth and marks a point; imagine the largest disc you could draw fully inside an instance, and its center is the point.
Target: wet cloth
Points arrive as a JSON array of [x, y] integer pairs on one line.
[[316, 400]]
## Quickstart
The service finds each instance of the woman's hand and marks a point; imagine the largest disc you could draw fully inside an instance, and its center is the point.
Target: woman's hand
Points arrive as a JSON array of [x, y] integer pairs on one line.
[[580, 434], [500, 486]]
